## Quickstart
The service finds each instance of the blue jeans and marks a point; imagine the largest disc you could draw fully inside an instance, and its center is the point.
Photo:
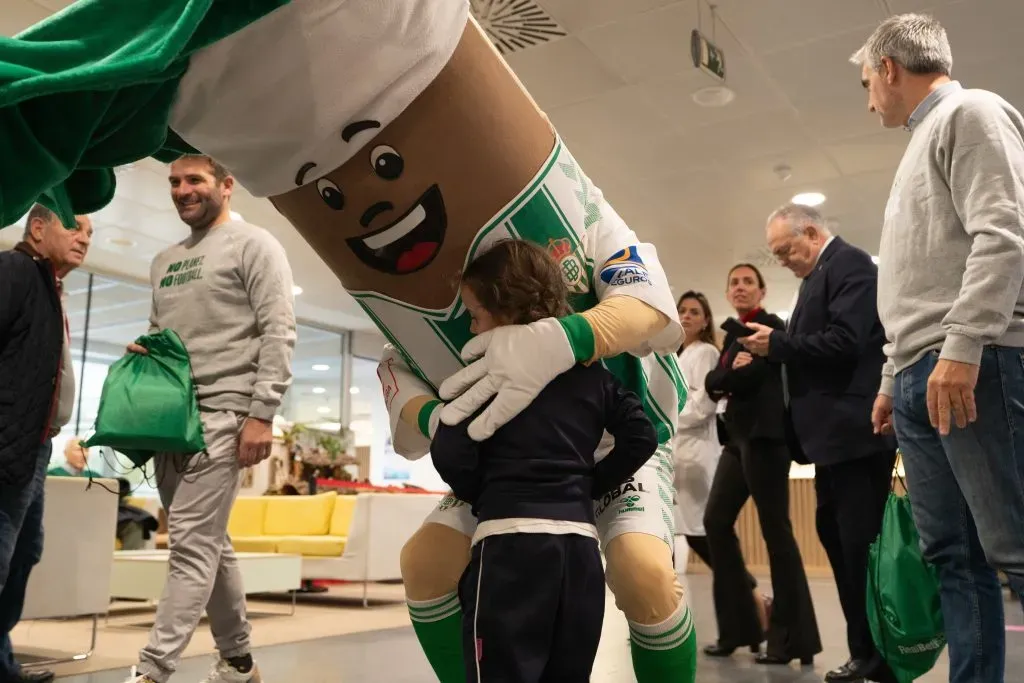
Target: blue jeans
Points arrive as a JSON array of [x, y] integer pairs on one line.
[[21, 546], [967, 493]]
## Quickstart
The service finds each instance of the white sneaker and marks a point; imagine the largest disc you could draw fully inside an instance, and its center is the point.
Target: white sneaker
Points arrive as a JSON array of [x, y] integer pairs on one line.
[[223, 672], [133, 677]]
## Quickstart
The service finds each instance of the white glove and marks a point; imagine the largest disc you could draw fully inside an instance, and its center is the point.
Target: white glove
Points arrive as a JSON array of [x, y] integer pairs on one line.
[[518, 361], [399, 386]]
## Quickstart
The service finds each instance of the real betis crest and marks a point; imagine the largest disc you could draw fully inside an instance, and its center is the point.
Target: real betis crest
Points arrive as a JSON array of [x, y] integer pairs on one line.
[[571, 264]]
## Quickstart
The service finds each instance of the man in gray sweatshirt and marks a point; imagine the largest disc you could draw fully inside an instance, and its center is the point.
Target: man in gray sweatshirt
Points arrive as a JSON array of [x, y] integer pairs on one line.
[[951, 300], [226, 290]]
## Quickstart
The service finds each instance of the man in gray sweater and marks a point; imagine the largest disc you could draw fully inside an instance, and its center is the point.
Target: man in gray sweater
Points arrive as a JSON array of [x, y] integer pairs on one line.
[[951, 300], [227, 291]]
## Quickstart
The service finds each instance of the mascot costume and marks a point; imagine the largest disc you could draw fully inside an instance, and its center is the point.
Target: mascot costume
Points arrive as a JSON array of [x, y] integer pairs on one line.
[[400, 145]]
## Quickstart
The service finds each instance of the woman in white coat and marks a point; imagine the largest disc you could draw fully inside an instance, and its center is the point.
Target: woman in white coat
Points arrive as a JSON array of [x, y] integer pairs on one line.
[[697, 446]]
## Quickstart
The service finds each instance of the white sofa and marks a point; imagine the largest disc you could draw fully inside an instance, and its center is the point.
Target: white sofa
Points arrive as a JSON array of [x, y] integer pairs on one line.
[[381, 524], [346, 538], [73, 577]]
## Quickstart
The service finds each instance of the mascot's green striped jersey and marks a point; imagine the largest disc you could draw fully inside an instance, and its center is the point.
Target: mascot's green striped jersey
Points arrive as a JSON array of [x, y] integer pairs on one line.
[[600, 257]]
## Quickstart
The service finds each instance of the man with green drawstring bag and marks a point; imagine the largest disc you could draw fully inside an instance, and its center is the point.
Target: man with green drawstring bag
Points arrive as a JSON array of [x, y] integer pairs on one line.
[[904, 612], [149, 402]]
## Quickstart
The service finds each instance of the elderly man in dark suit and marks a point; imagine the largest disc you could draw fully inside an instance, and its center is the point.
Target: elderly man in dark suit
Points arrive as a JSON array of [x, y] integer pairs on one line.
[[832, 356]]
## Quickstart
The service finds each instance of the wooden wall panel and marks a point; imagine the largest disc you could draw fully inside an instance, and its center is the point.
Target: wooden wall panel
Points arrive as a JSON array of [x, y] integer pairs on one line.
[[802, 503]]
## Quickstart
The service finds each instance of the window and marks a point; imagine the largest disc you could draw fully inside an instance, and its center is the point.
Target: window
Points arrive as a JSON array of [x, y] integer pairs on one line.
[[371, 428], [104, 314], [315, 395]]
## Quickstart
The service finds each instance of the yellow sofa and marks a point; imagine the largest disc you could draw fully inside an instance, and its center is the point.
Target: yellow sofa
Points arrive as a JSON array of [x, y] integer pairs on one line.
[[356, 538], [312, 526]]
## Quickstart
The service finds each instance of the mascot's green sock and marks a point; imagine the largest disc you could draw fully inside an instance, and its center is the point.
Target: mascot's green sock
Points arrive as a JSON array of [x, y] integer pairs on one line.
[[665, 652], [438, 626]]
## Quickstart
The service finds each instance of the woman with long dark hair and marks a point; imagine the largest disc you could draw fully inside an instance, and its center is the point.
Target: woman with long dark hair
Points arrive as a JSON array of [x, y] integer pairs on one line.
[[755, 463], [698, 444]]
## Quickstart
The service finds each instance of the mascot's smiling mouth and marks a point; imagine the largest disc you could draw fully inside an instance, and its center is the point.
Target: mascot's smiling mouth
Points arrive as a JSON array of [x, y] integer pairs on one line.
[[409, 243]]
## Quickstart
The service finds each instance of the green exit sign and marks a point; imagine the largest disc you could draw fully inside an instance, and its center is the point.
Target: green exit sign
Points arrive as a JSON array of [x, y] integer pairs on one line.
[[707, 56]]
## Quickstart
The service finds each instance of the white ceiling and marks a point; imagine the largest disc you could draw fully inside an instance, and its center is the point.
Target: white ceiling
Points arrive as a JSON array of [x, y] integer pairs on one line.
[[697, 182]]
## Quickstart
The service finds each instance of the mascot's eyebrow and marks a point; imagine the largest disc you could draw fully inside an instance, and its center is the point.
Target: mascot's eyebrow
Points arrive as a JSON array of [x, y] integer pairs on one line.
[[301, 175], [357, 127], [347, 133]]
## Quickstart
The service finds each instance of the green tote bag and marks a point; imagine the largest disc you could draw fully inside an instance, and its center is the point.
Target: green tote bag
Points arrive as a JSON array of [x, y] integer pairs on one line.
[[149, 403], [904, 612]]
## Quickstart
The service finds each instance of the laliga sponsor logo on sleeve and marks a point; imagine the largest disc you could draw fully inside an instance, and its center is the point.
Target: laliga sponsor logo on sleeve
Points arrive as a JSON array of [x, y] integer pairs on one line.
[[625, 268]]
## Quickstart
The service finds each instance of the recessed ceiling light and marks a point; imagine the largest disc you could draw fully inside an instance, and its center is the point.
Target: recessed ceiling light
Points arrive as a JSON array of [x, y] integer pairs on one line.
[[320, 367], [121, 241], [319, 390], [353, 390], [323, 410], [296, 290], [809, 198], [714, 96], [874, 259]]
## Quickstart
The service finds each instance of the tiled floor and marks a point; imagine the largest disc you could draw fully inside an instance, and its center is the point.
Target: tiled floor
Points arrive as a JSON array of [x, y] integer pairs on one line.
[[393, 656]]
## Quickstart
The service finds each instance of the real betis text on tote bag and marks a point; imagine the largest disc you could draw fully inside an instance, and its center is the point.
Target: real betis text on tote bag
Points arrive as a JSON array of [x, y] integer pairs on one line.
[[904, 612]]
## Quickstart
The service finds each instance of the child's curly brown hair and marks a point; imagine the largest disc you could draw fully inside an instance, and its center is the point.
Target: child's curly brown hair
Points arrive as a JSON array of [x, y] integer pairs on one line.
[[518, 282]]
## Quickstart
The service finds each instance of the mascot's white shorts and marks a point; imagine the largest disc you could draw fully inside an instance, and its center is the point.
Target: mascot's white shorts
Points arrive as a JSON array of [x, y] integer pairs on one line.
[[642, 504]]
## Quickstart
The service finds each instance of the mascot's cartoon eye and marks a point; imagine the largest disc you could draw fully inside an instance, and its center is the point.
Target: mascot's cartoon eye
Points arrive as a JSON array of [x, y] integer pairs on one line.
[[331, 194], [387, 163]]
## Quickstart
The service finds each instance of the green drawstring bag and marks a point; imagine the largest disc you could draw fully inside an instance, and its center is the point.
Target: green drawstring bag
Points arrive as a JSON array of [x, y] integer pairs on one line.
[[904, 612], [149, 403]]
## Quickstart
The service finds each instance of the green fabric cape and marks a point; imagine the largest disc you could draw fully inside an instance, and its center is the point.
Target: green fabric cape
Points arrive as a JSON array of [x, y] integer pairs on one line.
[[91, 88]]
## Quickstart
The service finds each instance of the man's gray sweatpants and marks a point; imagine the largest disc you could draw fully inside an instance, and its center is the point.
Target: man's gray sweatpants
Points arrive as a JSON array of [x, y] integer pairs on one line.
[[197, 494]]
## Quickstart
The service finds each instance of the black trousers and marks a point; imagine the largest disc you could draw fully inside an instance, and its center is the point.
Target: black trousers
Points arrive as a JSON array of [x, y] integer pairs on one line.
[[851, 500], [759, 469], [533, 607], [699, 545]]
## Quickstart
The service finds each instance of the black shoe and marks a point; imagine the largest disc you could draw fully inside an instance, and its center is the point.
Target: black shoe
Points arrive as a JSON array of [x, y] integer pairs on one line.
[[782, 660], [29, 676], [719, 650], [850, 672], [857, 670]]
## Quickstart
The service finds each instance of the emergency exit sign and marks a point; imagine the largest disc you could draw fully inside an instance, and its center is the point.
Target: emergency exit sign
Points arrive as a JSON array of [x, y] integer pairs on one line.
[[707, 56]]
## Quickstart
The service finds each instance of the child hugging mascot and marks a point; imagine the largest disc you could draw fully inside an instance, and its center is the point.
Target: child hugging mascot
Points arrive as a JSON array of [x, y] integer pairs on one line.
[[396, 140]]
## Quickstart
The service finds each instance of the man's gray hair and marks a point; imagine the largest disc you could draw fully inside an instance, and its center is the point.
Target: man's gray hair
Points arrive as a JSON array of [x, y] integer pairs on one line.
[[917, 42], [37, 211], [798, 217]]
